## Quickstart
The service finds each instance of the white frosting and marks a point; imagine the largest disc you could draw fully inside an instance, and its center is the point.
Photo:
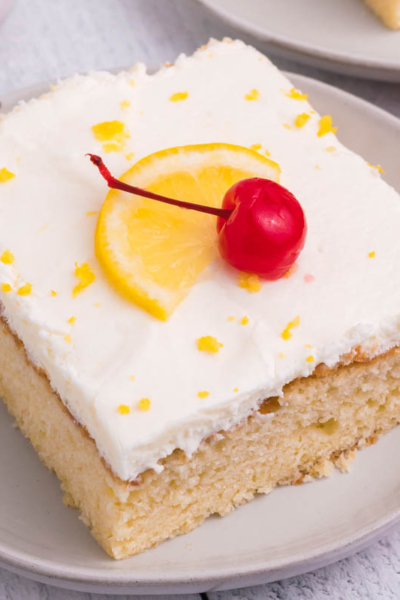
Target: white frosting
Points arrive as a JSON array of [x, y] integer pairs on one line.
[[350, 211]]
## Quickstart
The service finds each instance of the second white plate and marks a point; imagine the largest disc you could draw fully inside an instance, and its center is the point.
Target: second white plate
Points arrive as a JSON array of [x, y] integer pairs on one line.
[[293, 530], [339, 35]]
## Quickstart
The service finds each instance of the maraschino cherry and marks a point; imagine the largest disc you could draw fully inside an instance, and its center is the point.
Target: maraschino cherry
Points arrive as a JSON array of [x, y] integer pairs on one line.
[[261, 226]]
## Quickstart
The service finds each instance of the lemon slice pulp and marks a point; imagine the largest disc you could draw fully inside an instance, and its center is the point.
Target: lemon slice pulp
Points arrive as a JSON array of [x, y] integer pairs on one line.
[[152, 252]]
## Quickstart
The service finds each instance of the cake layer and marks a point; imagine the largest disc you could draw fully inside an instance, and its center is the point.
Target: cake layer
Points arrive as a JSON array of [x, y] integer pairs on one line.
[[318, 421], [100, 351]]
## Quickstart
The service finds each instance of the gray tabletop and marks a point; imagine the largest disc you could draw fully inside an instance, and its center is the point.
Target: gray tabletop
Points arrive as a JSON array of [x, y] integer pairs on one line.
[[43, 40]]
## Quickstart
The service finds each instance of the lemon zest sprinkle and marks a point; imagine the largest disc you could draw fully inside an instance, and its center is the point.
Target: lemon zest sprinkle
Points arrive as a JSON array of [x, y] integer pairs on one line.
[[371, 254], [178, 96], [91, 213], [6, 287], [310, 358], [252, 95], [6, 175], [302, 119], [330, 148], [68, 338], [267, 153], [208, 343], [124, 409], [281, 355], [286, 333], [377, 167], [25, 290], [72, 320], [291, 270], [256, 147], [230, 318], [249, 282], [296, 94], [129, 156], [7, 257], [85, 276], [53, 293], [144, 404], [286, 126], [124, 104], [132, 378], [203, 394], [235, 389], [244, 320], [325, 126]]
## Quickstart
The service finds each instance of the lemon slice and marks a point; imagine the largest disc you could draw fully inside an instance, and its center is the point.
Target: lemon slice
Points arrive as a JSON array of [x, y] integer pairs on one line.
[[153, 252]]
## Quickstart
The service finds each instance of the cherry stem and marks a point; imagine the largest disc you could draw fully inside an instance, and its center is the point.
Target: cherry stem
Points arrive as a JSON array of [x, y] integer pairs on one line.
[[124, 187]]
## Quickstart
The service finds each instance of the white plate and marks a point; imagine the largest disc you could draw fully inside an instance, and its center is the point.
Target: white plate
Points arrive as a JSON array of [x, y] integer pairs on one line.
[[339, 35], [291, 531]]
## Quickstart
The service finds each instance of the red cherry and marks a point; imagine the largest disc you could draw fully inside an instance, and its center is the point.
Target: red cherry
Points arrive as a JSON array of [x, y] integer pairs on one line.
[[266, 230], [261, 225]]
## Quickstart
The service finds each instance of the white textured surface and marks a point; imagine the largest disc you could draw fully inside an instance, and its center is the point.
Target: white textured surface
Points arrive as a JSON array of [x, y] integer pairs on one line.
[[43, 40]]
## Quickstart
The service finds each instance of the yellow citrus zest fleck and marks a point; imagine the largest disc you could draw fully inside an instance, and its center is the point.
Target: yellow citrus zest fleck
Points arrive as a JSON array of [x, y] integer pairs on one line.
[[307, 346], [203, 394], [249, 282], [286, 333], [208, 343], [7, 257], [231, 318], [124, 104], [286, 126], [92, 213], [25, 290], [310, 358], [302, 119], [97, 304], [5, 175], [124, 409], [178, 96], [6, 287], [129, 156], [267, 153], [255, 146], [144, 404], [281, 355], [235, 389], [371, 254], [377, 167], [132, 82], [291, 270], [330, 148], [53, 293], [113, 135], [296, 94], [244, 320], [132, 378], [252, 95], [325, 126], [68, 338], [72, 320], [85, 276]]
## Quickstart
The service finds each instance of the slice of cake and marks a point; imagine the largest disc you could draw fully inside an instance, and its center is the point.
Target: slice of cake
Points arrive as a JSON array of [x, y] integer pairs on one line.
[[152, 425], [387, 10]]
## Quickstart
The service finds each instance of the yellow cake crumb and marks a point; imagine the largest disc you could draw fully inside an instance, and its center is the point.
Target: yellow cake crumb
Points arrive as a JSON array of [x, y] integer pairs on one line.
[[179, 96], [68, 338], [252, 95], [7, 257], [310, 358], [6, 175], [72, 320], [144, 404], [286, 333], [302, 119], [249, 282], [208, 343], [296, 94], [244, 321], [124, 409], [325, 126], [124, 104], [371, 254], [85, 276], [6, 287], [203, 394], [25, 290]]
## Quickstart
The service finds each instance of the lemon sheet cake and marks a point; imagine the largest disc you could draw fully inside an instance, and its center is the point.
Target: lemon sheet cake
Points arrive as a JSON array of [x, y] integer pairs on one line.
[[150, 424]]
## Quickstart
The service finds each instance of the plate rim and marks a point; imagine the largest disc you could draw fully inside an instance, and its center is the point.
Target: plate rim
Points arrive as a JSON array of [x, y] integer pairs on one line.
[[52, 572], [334, 58]]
